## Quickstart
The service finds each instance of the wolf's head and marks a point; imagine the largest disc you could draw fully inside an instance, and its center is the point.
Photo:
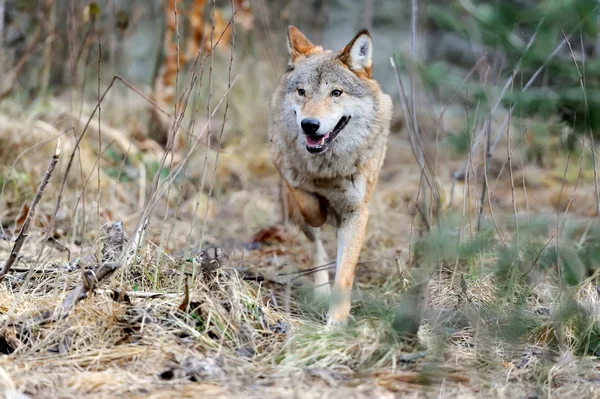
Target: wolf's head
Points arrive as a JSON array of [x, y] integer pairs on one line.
[[330, 97]]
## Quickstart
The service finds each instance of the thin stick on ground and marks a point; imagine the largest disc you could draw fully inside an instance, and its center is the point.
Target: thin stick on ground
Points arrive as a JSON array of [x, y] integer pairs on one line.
[[24, 233], [89, 281], [112, 249]]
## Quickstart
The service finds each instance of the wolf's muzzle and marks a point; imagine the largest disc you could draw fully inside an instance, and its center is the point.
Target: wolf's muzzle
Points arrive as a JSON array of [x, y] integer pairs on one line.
[[318, 143], [310, 125]]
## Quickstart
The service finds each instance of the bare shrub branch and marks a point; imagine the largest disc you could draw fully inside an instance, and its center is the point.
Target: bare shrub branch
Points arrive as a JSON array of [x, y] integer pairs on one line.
[[24, 233]]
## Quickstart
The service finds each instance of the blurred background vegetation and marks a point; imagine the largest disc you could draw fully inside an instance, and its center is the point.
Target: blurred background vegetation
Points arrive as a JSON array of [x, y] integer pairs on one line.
[[39, 38]]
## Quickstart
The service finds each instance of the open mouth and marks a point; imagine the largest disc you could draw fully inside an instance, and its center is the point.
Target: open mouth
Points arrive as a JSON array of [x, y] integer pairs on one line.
[[318, 144]]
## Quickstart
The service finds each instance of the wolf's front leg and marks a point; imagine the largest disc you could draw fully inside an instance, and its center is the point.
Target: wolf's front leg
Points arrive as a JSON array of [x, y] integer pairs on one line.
[[350, 237], [322, 290]]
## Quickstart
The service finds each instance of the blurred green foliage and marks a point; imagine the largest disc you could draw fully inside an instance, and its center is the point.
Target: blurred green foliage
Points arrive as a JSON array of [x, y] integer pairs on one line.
[[502, 30]]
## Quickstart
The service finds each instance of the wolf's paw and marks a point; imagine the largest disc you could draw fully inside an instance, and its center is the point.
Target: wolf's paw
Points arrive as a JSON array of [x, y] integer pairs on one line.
[[339, 309], [336, 324], [338, 318]]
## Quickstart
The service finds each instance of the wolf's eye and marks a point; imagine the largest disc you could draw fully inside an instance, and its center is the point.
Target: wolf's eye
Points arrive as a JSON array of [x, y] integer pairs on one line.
[[301, 92], [336, 93]]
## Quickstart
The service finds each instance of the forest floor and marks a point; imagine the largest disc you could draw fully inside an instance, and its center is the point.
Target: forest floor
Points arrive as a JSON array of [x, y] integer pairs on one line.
[[248, 326]]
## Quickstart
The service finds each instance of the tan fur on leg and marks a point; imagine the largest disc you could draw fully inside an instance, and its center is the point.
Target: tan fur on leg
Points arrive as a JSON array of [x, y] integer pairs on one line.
[[350, 239], [322, 289]]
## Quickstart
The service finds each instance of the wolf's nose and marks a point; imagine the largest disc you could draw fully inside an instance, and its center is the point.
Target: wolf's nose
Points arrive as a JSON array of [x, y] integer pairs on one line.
[[310, 125]]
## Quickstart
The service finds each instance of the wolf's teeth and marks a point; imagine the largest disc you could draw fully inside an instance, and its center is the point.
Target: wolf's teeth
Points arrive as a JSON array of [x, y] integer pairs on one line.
[[322, 141]]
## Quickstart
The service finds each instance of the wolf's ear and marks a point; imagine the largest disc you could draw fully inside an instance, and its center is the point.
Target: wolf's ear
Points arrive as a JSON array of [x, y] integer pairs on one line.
[[298, 44], [357, 54]]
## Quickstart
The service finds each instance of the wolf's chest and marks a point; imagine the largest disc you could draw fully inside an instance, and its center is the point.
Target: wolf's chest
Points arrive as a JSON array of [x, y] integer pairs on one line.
[[343, 194]]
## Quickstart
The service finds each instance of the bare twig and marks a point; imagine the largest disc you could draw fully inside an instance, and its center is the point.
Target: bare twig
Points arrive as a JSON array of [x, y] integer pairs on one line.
[[558, 220], [489, 199], [85, 180], [220, 143], [579, 173], [413, 94], [506, 86], [140, 294], [486, 168], [89, 281], [486, 159], [24, 233], [586, 113], [527, 85], [172, 135], [18, 269], [537, 258], [462, 83], [510, 172], [37, 145], [80, 138], [414, 136], [99, 134], [160, 191]]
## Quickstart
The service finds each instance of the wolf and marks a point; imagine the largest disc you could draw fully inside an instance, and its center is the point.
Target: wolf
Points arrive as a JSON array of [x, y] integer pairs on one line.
[[328, 126]]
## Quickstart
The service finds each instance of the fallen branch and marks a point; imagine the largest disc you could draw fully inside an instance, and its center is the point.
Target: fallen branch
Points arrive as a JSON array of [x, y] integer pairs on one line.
[[113, 246], [24, 233], [37, 270], [140, 294], [89, 281]]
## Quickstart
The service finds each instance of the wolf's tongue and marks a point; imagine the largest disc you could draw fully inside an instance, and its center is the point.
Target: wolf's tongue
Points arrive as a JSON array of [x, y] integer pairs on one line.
[[317, 140]]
